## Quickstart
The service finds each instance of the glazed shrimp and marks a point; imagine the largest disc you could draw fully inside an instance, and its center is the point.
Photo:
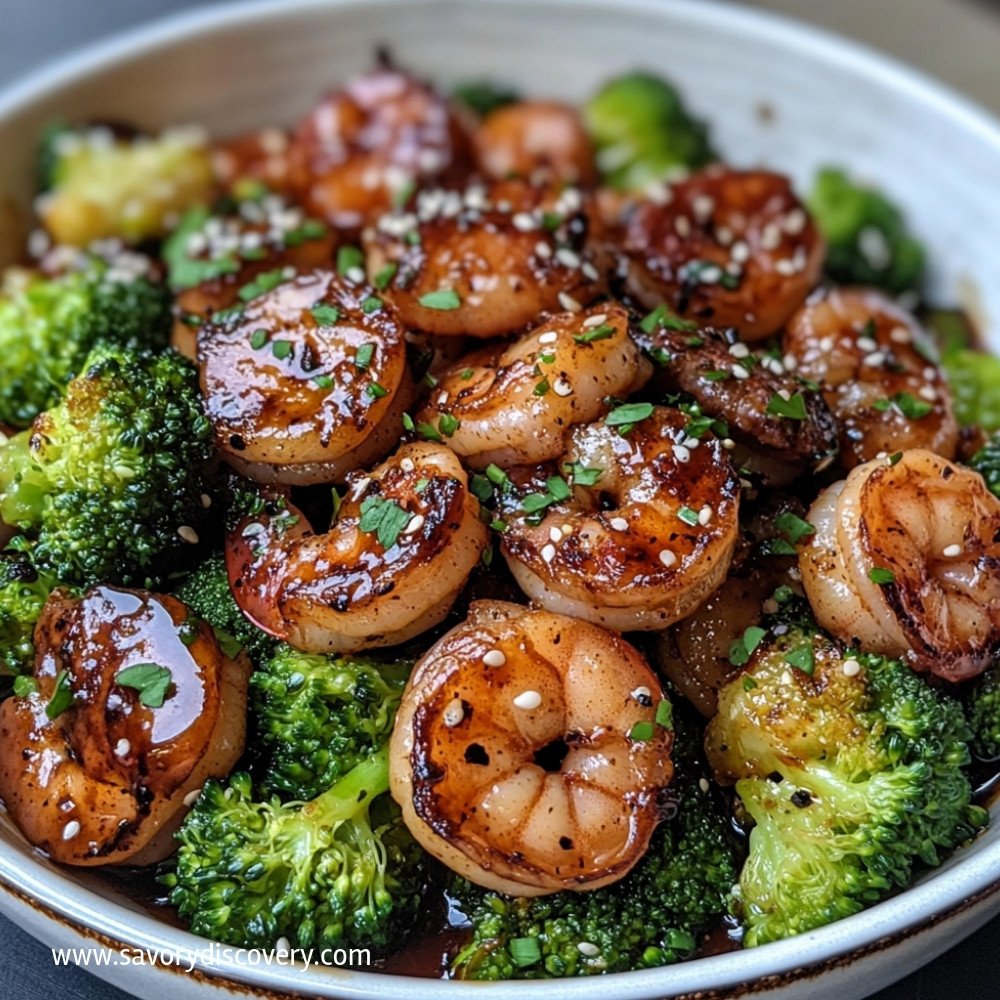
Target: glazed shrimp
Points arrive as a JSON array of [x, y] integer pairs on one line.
[[310, 380], [515, 757], [486, 261], [537, 140], [517, 403], [872, 359], [254, 158], [646, 544], [905, 561], [361, 146], [729, 382], [108, 779], [726, 248], [405, 539]]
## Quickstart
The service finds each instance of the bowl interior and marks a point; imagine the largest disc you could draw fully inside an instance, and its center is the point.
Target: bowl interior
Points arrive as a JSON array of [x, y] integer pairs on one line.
[[776, 94]]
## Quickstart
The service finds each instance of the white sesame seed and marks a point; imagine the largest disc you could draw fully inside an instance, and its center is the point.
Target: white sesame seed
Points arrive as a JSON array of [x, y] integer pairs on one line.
[[569, 303], [876, 359], [543, 250], [703, 206], [789, 362], [596, 320], [900, 335], [555, 534], [524, 221], [188, 534], [741, 373], [453, 713], [770, 238], [528, 700], [355, 275], [562, 388], [641, 693], [206, 501], [407, 464], [589, 271], [549, 553], [728, 443], [567, 257], [740, 252], [71, 829], [667, 558], [705, 515], [683, 226], [567, 529], [682, 454], [952, 550], [703, 784], [784, 394], [851, 668], [785, 266], [927, 392], [786, 677], [442, 398], [416, 523], [361, 485], [867, 344], [826, 344], [122, 747], [618, 524], [588, 949], [494, 658], [739, 350], [549, 337], [192, 796]]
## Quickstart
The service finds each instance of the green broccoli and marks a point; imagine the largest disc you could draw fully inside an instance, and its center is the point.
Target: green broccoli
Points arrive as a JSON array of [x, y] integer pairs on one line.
[[98, 184], [48, 326], [338, 870], [643, 132], [110, 482], [654, 916], [23, 593], [975, 387], [986, 462], [207, 593], [851, 768], [318, 716], [983, 705], [866, 235]]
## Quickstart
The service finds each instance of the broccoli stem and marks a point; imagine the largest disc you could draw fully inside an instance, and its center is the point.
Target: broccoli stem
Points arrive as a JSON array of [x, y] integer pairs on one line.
[[353, 794]]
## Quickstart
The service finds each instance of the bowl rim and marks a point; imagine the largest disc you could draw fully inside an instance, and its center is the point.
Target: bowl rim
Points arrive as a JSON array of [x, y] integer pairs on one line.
[[973, 877]]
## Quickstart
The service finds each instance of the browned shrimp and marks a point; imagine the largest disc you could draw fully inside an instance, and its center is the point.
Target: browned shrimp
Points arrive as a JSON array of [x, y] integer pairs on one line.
[[253, 158], [905, 561], [779, 428], [517, 403], [536, 140], [486, 261], [875, 365], [233, 251], [108, 778], [516, 757], [364, 146], [647, 542], [726, 248], [405, 539], [309, 381]]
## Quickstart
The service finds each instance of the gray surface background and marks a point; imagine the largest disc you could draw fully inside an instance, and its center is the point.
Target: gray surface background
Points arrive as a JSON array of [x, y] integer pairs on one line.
[[955, 40]]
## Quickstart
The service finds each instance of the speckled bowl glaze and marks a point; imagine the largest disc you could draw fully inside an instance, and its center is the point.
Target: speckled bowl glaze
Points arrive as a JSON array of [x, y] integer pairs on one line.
[[778, 94]]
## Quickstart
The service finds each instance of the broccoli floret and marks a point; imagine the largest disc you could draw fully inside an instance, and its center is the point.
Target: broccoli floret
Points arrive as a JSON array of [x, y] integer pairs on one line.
[[866, 235], [986, 462], [338, 870], [48, 326], [318, 716], [23, 593], [643, 132], [983, 703], [109, 483], [975, 387], [654, 916], [208, 594], [98, 184], [851, 768]]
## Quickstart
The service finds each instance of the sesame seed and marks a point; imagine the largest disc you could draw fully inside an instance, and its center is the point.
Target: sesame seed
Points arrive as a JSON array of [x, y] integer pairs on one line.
[[728, 443], [589, 271], [770, 238], [528, 700], [595, 320], [786, 266], [953, 550], [667, 558], [549, 553], [206, 501], [355, 275], [900, 335], [851, 668], [826, 344], [703, 784], [588, 949], [569, 303], [927, 392], [641, 693], [562, 388], [567, 257], [789, 362], [567, 529], [786, 677], [710, 275], [795, 222], [740, 252], [188, 534], [705, 515], [703, 206], [453, 713], [683, 226], [618, 524], [524, 221], [784, 394], [361, 485], [739, 350], [555, 534], [549, 337], [867, 344], [876, 359], [739, 372], [406, 464], [494, 658], [416, 523], [122, 747], [682, 454], [71, 829], [192, 796], [543, 250]]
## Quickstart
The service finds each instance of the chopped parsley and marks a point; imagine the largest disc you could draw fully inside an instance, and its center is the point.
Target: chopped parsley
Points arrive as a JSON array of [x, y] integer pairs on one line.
[[742, 649], [583, 475], [793, 527], [383, 518], [627, 415], [282, 349], [62, 696], [881, 575], [443, 299], [793, 408], [348, 257], [324, 314], [662, 316], [151, 680], [385, 275], [802, 658]]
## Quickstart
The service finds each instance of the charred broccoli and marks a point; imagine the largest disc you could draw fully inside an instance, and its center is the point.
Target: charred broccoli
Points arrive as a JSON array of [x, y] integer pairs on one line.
[[986, 462], [851, 768], [48, 326], [109, 483], [23, 593], [983, 703]]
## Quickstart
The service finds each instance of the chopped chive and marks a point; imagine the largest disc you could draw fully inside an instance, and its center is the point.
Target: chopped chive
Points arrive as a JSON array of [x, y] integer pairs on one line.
[[598, 333], [444, 299], [323, 382], [385, 275], [282, 349], [258, 339], [371, 305], [641, 732], [881, 575], [376, 391], [363, 358], [688, 516], [324, 314], [347, 258]]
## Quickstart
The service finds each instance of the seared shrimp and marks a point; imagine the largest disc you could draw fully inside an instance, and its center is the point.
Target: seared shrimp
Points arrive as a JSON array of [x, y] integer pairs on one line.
[[405, 539], [540, 140], [232, 251], [517, 403], [363, 146], [725, 247], [108, 778], [873, 361], [644, 545], [254, 159], [905, 561], [729, 382], [516, 755], [310, 380], [486, 261]]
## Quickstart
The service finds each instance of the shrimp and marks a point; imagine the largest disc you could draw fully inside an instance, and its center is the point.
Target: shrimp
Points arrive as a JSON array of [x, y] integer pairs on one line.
[[310, 380], [234, 252], [730, 383], [484, 262], [647, 542], [725, 247], [536, 140], [516, 403], [873, 361], [362, 146], [905, 561], [406, 537], [109, 776], [516, 757], [254, 159]]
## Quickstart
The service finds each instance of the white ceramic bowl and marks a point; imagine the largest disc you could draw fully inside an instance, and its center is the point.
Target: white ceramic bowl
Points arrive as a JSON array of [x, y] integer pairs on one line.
[[777, 94]]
